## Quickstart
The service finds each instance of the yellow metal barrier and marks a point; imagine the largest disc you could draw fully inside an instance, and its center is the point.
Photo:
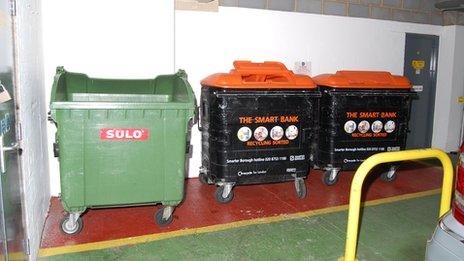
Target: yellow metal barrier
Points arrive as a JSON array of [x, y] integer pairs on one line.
[[386, 157]]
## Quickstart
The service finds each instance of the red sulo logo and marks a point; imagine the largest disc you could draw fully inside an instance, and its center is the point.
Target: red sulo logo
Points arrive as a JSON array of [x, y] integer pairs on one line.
[[124, 134]]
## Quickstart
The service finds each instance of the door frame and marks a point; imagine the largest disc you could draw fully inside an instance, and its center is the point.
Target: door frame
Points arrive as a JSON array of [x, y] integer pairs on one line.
[[17, 91]]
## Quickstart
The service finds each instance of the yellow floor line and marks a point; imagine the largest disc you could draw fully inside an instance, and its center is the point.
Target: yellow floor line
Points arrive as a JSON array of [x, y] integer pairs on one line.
[[52, 251]]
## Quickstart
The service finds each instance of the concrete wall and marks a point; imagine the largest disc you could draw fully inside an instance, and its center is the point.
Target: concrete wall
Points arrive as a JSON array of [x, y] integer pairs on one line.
[[457, 89], [106, 38], [415, 11], [444, 78], [450, 85], [457, 111], [453, 18], [33, 117]]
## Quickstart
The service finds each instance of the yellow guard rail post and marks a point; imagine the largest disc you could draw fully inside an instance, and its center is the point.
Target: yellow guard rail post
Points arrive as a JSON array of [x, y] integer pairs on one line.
[[386, 157]]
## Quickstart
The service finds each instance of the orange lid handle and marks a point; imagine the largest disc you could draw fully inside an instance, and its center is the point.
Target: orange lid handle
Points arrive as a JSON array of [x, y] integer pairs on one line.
[[266, 72], [266, 75]]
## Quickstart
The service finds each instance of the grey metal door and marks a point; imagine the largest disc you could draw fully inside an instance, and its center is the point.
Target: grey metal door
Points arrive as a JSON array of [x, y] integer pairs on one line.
[[420, 66], [11, 218]]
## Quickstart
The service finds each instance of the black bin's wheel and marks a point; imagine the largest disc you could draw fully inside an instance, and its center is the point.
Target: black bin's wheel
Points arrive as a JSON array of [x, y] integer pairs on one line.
[[160, 220], [300, 188], [390, 174], [220, 198], [203, 178], [68, 229], [330, 177]]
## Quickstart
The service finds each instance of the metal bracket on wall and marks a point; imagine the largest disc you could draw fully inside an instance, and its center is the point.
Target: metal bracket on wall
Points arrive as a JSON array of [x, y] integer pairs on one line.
[[197, 5], [461, 99]]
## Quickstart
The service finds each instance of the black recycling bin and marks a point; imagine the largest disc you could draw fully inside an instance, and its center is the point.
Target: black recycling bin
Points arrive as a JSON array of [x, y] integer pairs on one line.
[[257, 124], [361, 113]]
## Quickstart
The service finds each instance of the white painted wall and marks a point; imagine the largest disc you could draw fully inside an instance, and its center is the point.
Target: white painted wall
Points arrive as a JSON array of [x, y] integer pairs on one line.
[[33, 117], [106, 39], [450, 85], [456, 110], [209, 42], [444, 78]]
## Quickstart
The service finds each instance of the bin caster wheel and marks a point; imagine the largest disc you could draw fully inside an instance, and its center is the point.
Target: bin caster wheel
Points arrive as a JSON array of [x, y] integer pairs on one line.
[[300, 188], [56, 150], [219, 195], [160, 220], [70, 229], [330, 177], [203, 178], [389, 175]]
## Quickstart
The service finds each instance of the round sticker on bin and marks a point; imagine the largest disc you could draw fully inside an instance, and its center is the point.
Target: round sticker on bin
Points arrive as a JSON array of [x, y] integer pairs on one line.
[[277, 133], [350, 126], [291, 132], [261, 133], [364, 126], [244, 134], [377, 126], [390, 126]]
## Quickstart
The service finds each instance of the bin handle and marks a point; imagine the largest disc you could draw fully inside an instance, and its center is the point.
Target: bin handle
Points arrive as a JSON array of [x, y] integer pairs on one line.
[[267, 72], [50, 118], [198, 119]]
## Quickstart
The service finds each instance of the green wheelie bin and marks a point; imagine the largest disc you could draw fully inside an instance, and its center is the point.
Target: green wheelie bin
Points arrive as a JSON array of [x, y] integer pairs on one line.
[[121, 142]]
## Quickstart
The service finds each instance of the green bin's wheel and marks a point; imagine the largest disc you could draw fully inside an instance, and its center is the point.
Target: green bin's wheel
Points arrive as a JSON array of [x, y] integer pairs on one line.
[[220, 198], [330, 177], [389, 175], [300, 187], [56, 150], [160, 220], [203, 178], [71, 230]]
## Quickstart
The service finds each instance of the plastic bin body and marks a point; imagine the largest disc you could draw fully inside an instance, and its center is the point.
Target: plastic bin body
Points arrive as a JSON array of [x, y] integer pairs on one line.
[[121, 142], [348, 97], [229, 159], [251, 97]]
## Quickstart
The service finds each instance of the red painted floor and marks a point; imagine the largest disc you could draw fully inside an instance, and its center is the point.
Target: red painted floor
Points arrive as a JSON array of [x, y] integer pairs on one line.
[[200, 209]]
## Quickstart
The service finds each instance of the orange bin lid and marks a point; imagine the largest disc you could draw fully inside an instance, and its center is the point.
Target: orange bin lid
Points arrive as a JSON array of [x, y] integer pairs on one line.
[[266, 75], [363, 80]]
